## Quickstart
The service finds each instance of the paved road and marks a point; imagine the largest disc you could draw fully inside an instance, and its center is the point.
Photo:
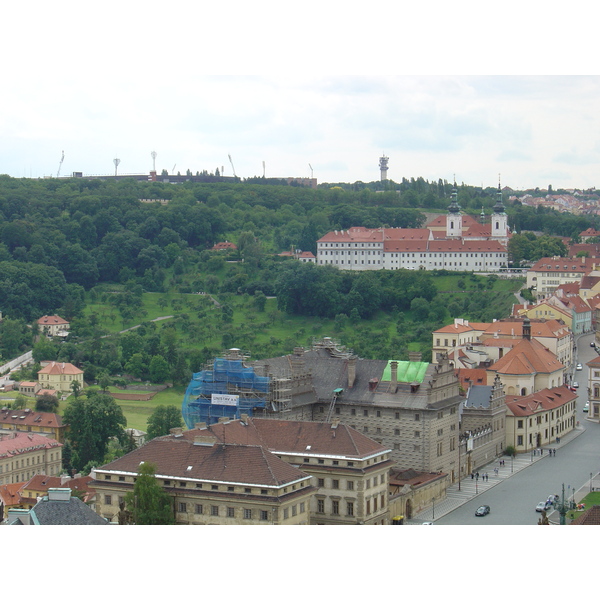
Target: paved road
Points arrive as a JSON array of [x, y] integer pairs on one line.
[[519, 485]]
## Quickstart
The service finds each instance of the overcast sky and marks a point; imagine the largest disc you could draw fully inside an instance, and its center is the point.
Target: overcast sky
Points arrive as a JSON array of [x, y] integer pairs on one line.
[[305, 88]]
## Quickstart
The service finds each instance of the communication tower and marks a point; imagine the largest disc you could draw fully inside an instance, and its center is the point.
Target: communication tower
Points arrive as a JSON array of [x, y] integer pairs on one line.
[[116, 161], [153, 155], [383, 166]]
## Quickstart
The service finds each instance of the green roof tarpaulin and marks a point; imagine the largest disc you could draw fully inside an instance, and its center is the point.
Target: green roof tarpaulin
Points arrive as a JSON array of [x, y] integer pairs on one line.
[[408, 371]]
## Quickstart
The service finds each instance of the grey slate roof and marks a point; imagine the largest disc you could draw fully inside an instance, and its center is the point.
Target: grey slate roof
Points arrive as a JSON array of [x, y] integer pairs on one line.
[[60, 512], [479, 396], [330, 373]]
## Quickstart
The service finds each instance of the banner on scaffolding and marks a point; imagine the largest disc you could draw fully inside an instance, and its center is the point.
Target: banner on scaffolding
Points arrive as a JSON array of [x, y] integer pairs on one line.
[[224, 399]]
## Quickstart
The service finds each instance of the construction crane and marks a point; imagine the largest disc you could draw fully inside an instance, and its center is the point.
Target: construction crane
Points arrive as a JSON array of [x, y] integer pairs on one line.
[[232, 165], [61, 162], [311, 170]]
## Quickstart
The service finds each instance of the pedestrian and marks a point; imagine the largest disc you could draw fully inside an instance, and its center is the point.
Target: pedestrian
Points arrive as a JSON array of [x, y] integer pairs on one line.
[[472, 475], [554, 451], [487, 477], [541, 452]]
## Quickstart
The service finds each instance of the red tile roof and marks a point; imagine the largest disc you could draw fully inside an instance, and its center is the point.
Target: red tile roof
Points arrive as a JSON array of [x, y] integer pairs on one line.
[[547, 399], [180, 457], [30, 417], [528, 356], [60, 368], [19, 442], [305, 437], [52, 320]]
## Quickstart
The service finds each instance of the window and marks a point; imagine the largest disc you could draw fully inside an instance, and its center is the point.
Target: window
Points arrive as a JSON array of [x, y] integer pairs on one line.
[[335, 484], [320, 506], [247, 513], [214, 511], [108, 499], [350, 485], [350, 509], [231, 512], [182, 507], [199, 509], [335, 507], [321, 482], [264, 515]]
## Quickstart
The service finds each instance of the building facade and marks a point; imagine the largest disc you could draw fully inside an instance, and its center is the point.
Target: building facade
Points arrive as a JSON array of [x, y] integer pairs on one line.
[[538, 419], [23, 455]]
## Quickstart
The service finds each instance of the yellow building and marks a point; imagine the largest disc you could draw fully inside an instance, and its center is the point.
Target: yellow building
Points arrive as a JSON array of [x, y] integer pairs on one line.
[[536, 420], [211, 483], [59, 376], [30, 421], [350, 470], [23, 455]]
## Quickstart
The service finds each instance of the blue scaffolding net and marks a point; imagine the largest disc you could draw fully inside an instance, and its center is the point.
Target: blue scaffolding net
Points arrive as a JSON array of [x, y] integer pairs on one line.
[[228, 390]]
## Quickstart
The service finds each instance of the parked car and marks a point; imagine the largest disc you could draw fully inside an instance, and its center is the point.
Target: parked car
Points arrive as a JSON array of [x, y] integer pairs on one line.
[[586, 406], [482, 511], [593, 344], [542, 506], [579, 367], [575, 384]]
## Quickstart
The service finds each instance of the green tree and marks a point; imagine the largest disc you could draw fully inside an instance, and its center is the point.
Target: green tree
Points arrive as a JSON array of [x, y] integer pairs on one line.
[[92, 418], [46, 403], [159, 370], [149, 504], [162, 420]]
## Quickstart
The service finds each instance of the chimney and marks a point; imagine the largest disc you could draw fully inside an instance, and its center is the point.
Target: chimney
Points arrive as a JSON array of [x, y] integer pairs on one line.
[[201, 425], [334, 423], [60, 494], [526, 329], [414, 356], [373, 384], [205, 440], [245, 419], [223, 419], [176, 431], [394, 367], [351, 371]]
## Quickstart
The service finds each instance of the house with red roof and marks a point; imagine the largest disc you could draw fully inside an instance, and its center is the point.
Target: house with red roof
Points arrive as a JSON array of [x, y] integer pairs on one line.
[[539, 418], [27, 421], [23, 455], [528, 367], [53, 325], [59, 376]]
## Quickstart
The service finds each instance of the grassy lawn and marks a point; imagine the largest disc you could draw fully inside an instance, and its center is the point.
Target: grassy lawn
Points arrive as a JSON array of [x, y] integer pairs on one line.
[[590, 500]]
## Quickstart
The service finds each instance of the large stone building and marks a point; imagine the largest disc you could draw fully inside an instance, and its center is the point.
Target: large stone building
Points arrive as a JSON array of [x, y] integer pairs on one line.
[[408, 406], [211, 482], [454, 242]]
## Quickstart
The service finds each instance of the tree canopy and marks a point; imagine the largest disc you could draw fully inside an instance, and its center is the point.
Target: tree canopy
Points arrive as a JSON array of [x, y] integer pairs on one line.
[[162, 420], [93, 419], [149, 504]]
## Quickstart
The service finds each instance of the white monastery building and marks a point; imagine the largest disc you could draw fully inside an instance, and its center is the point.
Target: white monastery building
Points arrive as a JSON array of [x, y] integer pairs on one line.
[[454, 242]]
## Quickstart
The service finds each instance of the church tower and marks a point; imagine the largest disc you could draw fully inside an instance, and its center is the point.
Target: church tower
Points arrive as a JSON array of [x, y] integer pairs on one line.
[[454, 218], [499, 220]]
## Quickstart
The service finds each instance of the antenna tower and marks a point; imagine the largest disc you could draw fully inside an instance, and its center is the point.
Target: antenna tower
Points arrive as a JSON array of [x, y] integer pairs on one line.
[[153, 155], [383, 166], [61, 162], [117, 162], [232, 165]]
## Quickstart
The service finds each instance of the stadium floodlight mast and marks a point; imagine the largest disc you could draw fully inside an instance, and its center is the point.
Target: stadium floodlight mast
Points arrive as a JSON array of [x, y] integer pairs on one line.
[[116, 161]]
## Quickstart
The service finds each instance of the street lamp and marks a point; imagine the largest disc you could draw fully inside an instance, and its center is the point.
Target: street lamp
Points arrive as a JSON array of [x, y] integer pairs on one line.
[[512, 458]]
